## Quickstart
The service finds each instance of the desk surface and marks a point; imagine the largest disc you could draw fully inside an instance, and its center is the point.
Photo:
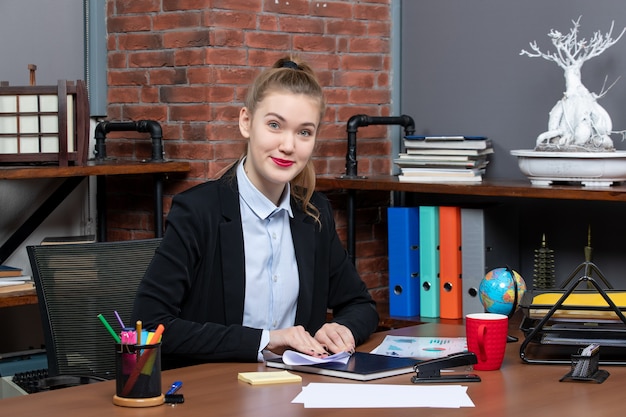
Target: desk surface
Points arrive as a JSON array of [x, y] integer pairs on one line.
[[516, 390]]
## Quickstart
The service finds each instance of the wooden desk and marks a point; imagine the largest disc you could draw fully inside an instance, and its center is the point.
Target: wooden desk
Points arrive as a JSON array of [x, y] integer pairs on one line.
[[517, 390]]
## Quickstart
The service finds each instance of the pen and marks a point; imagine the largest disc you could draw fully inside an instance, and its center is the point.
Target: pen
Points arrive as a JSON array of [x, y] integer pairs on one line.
[[109, 328], [119, 319], [175, 387]]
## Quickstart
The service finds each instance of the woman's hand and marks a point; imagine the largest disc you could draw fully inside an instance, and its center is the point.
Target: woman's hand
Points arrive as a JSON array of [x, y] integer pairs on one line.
[[295, 338], [335, 338]]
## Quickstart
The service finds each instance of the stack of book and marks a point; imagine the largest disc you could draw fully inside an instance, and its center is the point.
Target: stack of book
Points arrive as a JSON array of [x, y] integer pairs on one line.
[[444, 158], [13, 279]]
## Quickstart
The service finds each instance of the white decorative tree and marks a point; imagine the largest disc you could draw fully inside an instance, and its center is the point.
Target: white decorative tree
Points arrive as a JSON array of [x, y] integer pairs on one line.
[[577, 122]]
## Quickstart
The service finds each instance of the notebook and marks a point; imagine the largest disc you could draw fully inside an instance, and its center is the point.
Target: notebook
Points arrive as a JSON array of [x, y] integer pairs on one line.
[[361, 366]]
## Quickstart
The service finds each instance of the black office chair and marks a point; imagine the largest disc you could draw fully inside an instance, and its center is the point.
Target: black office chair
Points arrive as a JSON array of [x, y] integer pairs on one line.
[[75, 283]]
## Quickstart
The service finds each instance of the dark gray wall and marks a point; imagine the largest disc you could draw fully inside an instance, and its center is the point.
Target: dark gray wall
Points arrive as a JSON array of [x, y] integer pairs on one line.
[[462, 72], [47, 33]]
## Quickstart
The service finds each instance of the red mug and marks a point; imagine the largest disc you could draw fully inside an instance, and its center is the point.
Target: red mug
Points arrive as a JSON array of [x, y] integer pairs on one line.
[[486, 337]]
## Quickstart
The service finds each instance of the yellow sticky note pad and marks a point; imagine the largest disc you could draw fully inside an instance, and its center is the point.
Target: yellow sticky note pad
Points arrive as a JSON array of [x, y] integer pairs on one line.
[[272, 377]]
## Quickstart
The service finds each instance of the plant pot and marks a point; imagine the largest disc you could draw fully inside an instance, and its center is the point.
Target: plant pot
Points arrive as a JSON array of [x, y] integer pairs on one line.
[[599, 169]]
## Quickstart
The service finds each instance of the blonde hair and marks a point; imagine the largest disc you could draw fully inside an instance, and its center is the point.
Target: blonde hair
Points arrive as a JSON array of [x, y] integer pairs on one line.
[[289, 74]]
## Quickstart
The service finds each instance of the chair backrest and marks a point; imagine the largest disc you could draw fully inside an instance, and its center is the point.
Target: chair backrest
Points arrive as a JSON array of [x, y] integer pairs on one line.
[[75, 283]]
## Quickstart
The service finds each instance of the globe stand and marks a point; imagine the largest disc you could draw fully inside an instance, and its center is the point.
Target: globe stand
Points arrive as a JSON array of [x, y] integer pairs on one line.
[[510, 338], [514, 304]]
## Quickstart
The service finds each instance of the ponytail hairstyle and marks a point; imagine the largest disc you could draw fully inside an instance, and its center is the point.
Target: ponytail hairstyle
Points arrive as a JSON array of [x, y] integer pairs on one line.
[[293, 76]]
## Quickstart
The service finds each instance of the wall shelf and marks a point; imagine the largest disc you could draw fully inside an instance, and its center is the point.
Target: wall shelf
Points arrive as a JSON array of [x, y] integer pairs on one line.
[[488, 188]]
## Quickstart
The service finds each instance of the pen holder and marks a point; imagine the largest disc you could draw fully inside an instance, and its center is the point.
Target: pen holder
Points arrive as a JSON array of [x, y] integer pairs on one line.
[[138, 375], [585, 368]]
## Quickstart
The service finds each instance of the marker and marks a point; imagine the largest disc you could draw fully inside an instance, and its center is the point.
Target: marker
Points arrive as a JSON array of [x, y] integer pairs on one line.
[[119, 319], [128, 336], [138, 330], [175, 387], [109, 328], [157, 334]]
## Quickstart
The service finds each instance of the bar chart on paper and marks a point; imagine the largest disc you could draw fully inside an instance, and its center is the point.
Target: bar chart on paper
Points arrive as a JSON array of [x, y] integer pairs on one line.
[[421, 347]]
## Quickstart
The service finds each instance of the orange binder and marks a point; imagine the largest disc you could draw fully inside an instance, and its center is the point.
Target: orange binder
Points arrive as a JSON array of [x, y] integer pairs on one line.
[[450, 290]]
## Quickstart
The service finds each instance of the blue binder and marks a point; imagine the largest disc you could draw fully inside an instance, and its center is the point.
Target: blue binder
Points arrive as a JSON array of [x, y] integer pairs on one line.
[[404, 261], [429, 261]]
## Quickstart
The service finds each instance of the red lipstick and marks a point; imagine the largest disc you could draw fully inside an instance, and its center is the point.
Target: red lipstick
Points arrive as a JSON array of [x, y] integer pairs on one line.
[[282, 162]]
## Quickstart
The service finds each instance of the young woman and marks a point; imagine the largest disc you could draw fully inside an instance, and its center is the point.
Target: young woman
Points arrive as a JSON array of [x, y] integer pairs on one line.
[[251, 262]]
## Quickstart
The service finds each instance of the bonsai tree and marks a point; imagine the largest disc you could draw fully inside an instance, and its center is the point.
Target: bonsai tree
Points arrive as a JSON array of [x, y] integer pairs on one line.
[[577, 122]]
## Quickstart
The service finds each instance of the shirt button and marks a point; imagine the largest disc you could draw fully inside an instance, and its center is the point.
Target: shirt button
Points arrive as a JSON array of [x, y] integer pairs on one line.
[[274, 236], [275, 278]]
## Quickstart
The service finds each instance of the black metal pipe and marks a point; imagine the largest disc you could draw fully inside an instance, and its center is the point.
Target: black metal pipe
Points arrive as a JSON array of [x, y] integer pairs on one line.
[[351, 226], [144, 126], [158, 205], [360, 120], [354, 123]]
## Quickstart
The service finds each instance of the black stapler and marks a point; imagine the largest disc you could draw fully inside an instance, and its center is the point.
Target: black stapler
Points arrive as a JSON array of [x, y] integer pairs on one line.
[[430, 371]]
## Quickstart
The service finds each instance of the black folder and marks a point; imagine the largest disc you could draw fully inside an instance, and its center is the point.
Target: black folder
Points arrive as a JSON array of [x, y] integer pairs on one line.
[[361, 366]]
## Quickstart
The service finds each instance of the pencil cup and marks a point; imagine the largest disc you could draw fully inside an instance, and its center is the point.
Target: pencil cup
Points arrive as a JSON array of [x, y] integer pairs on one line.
[[138, 375], [486, 338]]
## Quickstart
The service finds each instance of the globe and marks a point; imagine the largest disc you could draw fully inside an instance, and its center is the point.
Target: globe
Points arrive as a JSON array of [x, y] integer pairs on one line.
[[497, 290]]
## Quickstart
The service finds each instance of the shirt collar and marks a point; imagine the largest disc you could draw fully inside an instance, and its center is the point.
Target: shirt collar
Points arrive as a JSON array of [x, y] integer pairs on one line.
[[258, 203]]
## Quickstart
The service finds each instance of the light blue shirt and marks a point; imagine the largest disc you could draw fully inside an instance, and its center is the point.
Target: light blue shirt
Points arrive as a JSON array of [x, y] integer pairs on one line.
[[272, 281]]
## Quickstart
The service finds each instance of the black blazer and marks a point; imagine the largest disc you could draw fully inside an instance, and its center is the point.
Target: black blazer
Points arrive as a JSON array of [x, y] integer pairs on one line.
[[195, 284]]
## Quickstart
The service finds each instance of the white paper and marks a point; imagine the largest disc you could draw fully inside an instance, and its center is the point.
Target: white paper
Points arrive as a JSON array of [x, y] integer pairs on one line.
[[421, 347], [8, 124], [29, 124], [291, 357], [49, 103], [337, 395], [10, 282], [8, 104], [7, 144], [17, 278], [28, 103]]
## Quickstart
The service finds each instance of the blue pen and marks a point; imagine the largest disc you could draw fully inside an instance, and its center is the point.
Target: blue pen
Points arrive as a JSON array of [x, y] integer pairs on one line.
[[175, 387]]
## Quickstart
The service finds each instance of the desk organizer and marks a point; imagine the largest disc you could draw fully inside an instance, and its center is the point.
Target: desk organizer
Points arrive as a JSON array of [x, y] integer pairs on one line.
[[44, 124], [559, 322], [585, 368]]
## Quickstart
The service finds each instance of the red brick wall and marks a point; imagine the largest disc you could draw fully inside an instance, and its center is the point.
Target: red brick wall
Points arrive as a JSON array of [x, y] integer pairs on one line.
[[187, 64]]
